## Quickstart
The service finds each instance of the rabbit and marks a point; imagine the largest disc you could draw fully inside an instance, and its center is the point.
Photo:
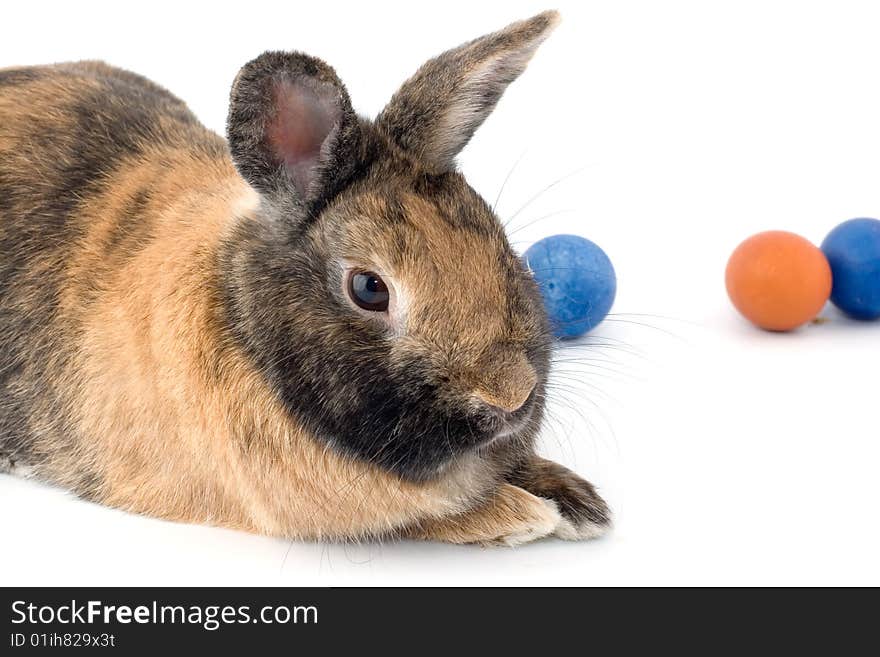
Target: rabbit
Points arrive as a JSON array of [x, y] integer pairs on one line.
[[314, 329]]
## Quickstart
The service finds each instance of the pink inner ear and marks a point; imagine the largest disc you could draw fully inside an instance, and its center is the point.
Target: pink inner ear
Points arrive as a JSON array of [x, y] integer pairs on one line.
[[303, 118]]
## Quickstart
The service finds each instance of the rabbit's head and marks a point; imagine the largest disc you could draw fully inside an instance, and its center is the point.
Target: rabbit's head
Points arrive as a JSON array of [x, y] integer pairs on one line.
[[373, 288]]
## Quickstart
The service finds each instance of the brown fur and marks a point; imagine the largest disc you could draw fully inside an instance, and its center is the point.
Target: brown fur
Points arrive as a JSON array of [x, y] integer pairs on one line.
[[124, 379]]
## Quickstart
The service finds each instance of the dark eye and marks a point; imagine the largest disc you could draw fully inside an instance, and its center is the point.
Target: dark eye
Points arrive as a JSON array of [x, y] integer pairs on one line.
[[368, 291]]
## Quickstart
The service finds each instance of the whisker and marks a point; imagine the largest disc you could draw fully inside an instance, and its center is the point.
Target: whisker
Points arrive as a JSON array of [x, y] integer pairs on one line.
[[562, 398], [536, 220], [613, 348], [592, 429], [605, 373], [544, 191], [646, 325], [664, 317], [506, 178]]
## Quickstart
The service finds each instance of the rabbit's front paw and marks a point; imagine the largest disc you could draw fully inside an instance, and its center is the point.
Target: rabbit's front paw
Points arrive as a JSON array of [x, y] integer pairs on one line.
[[542, 519], [584, 513], [511, 516]]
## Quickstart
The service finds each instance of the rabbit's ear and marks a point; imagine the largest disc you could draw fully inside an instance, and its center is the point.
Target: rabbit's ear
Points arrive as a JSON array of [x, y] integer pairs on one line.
[[291, 128], [437, 110]]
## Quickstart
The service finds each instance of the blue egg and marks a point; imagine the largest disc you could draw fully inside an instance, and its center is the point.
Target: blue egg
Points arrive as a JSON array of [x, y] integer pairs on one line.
[[853, 251], [577, 282]]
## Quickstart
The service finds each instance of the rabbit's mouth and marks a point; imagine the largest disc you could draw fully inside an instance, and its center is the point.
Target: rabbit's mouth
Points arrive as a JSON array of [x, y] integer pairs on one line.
[[496, 424]]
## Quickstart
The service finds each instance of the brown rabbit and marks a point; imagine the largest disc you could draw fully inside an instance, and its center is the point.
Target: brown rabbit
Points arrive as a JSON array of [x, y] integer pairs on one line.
[[315, 330]]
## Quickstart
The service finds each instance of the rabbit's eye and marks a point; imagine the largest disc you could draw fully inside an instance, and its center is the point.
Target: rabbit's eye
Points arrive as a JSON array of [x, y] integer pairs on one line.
[[368, 291]]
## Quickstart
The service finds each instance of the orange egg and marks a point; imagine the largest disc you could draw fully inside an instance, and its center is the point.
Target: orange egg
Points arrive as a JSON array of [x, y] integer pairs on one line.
[[778, 280]]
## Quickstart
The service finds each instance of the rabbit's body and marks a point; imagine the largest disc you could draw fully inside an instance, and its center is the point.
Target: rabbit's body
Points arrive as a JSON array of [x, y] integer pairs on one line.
[[170, 331], [118, 379]]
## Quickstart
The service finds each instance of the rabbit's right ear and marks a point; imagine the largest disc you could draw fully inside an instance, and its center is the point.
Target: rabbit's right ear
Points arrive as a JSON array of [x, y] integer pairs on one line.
[[292, 131], [437, 110]]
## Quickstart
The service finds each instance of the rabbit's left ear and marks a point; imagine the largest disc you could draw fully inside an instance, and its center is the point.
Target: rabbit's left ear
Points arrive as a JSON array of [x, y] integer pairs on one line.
[[292, 131], [436, 111]]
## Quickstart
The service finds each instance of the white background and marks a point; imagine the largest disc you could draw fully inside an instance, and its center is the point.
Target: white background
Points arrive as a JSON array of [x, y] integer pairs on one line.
[[673, 130]]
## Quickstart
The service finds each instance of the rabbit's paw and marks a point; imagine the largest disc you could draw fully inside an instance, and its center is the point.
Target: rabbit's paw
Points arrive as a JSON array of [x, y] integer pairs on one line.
[[584, 513], [512, 516], [541, 520]]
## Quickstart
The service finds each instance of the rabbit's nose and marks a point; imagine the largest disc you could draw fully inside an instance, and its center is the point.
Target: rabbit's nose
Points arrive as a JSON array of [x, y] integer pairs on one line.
[[507, 384], [507, 401]]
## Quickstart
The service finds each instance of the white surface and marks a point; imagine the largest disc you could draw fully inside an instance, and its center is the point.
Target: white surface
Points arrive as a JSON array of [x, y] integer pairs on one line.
[[730, 456]]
